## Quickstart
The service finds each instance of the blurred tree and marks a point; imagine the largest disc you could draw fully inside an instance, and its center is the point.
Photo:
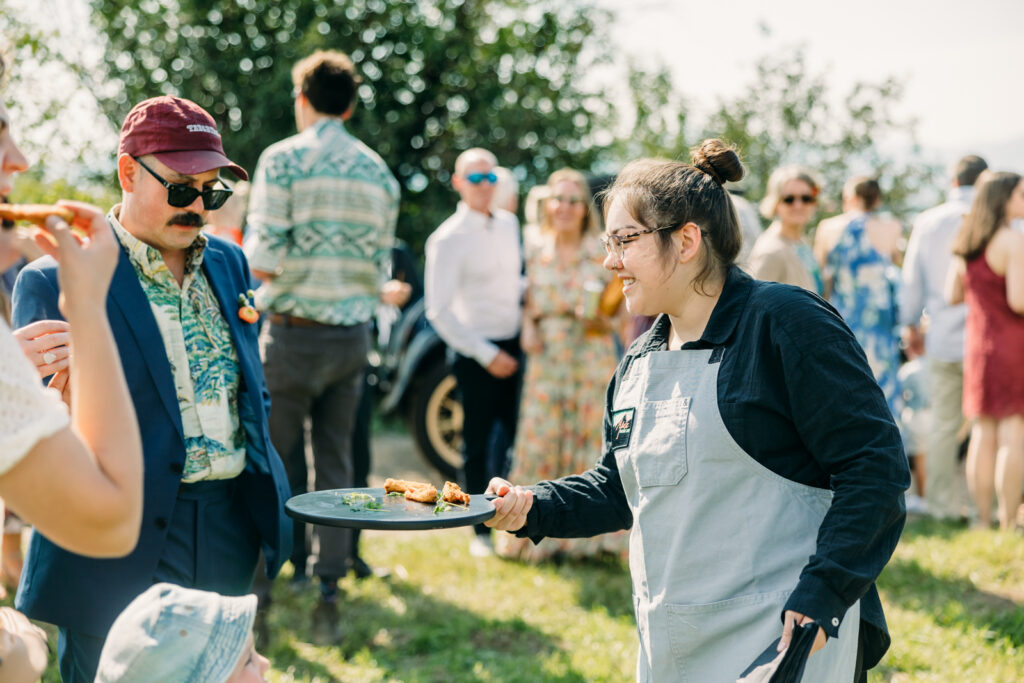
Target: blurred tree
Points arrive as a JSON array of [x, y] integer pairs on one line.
[[33, 186], [788, 115], [659, 115], [55, 121], [440, 76]]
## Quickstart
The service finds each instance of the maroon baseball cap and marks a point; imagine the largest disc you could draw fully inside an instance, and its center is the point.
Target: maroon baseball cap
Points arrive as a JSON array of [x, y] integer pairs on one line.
[[179, 133]]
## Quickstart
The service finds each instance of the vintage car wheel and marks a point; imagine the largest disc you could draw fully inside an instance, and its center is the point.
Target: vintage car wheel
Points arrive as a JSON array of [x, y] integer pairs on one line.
[[436, 414]]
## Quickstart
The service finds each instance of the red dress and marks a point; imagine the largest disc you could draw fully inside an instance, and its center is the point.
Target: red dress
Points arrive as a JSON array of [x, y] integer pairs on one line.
[[993, 346]]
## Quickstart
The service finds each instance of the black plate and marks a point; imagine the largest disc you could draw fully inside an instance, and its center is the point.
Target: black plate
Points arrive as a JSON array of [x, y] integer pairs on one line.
[[329, 508]]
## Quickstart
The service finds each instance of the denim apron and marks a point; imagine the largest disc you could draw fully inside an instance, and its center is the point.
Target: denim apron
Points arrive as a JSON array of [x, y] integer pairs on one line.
[[718, 541]]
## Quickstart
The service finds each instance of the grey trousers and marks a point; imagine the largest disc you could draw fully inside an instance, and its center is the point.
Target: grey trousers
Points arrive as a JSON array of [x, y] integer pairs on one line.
[[316, 373], [945, 488]]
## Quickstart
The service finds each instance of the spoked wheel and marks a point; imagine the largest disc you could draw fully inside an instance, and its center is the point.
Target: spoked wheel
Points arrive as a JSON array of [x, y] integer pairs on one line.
[[437, 419]]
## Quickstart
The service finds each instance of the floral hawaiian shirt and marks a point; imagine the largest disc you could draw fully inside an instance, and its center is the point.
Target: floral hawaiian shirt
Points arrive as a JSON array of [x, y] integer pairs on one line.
[[203, 359]]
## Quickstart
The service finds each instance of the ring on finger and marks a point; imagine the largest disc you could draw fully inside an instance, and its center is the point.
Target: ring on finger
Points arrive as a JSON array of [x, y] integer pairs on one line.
[[49, 357]]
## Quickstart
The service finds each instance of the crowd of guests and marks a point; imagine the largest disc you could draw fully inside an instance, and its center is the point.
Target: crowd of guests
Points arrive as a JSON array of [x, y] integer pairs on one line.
[[929, 351], [238, 358]]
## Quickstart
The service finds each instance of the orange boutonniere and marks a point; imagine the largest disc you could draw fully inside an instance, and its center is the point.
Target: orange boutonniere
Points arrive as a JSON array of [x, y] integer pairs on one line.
[[246, 311]]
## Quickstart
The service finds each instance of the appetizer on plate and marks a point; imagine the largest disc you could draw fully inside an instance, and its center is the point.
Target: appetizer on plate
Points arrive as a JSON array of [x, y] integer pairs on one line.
[[423, 492], [453, 494]]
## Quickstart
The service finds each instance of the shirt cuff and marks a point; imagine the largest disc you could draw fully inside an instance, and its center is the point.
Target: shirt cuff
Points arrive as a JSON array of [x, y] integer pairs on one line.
[[485, 354], [813, 598], [534, 518]]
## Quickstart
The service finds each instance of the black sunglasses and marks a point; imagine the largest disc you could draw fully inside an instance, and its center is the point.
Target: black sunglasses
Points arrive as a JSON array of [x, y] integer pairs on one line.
[[180, 196], [805, 198]]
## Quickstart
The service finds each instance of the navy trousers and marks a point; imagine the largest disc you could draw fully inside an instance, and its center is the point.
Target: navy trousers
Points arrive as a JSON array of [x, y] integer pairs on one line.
[[212, 544]]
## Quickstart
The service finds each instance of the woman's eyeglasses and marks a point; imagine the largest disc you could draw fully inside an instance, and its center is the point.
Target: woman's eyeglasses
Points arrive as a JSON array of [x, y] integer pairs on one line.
[[614, 243], [805, 198], [477, 178], [180, 196]]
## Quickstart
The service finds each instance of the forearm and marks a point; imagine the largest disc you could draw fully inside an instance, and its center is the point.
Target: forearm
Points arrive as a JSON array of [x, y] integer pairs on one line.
[[81, 487], [855, 542], [851, 434], [460, 337], [579, 506], [441, 284], [104, 417]]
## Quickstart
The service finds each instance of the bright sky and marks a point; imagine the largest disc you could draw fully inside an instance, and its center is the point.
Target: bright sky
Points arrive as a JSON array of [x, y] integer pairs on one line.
[[960, 61]]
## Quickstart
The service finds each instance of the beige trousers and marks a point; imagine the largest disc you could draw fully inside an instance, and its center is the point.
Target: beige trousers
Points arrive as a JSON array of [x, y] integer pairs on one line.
[[946, 489]]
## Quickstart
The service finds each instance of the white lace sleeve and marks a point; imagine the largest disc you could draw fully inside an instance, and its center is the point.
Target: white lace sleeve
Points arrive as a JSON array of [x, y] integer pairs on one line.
[[28, 412]]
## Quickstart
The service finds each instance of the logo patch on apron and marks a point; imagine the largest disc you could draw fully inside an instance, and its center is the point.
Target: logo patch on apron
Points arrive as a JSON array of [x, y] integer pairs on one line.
[[622, 428]]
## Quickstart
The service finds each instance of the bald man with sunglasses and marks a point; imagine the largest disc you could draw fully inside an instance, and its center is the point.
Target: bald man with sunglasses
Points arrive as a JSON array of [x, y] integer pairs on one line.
[[179, 308], [473, 289]]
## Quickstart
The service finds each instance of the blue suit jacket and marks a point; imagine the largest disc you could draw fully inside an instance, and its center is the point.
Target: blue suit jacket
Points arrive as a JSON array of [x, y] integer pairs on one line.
[[86, 594]]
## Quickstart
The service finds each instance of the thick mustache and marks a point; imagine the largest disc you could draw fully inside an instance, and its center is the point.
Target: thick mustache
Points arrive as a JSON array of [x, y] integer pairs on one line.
[[189, 220]]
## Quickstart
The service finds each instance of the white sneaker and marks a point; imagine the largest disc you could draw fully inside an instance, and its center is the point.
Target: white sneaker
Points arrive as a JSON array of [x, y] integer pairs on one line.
[[481, 546]]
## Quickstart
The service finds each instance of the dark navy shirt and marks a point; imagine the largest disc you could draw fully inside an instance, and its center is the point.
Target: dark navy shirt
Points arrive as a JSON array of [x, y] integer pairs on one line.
[[796, 393]]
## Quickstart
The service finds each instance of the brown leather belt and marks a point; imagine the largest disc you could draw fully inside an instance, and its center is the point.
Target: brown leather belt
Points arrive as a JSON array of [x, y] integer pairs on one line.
[[288, 320]]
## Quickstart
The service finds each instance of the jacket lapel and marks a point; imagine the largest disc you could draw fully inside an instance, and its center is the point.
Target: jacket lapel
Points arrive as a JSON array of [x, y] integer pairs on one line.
[[127, 295], [227, 297], [226, 289]]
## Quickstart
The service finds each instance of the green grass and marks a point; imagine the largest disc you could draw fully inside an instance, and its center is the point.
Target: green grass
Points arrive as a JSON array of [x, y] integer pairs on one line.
[[954, 599], [955, 603], [443, 616]]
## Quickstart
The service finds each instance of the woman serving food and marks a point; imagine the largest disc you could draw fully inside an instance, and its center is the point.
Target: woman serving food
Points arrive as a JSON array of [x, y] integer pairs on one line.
[[746, 445]]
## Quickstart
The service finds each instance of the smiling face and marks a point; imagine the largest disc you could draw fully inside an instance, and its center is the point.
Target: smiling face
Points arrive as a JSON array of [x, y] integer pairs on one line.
[[477, 196], [650, 276], [145, 212], [566, 208], [12, 161], [794, 209]]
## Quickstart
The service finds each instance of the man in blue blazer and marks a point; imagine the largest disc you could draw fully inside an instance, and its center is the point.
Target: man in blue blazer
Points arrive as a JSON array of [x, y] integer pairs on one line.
[[180, 310]]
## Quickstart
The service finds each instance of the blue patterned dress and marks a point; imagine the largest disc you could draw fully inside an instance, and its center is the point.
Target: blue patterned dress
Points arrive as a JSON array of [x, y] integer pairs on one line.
[[865, 291]]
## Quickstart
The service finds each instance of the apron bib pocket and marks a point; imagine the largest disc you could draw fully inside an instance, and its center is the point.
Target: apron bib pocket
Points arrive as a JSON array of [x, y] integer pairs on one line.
[[659, 451]]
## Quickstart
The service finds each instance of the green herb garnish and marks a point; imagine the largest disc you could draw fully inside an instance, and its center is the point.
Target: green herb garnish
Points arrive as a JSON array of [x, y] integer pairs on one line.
[[441, 505], [361, 501]]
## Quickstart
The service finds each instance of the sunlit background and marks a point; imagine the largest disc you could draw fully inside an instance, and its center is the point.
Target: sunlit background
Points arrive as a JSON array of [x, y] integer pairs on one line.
[[938, 80]]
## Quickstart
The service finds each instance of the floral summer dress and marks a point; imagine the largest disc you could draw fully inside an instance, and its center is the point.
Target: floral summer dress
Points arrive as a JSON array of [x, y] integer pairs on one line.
[[865, 291], [562, 409]]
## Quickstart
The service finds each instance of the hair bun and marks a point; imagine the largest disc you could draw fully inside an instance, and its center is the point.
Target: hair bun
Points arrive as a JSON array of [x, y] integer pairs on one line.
[[718, 160]]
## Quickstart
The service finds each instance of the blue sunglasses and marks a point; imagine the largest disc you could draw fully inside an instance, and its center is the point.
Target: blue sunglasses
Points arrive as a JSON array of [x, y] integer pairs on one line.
[[477, 178]]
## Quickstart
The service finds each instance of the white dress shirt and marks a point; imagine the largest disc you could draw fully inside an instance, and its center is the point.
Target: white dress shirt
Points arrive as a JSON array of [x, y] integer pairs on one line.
[[473, 281], [929, 254]]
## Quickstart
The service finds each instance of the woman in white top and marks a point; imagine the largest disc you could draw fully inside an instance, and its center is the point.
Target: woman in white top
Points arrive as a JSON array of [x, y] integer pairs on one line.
[[77, 479]]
